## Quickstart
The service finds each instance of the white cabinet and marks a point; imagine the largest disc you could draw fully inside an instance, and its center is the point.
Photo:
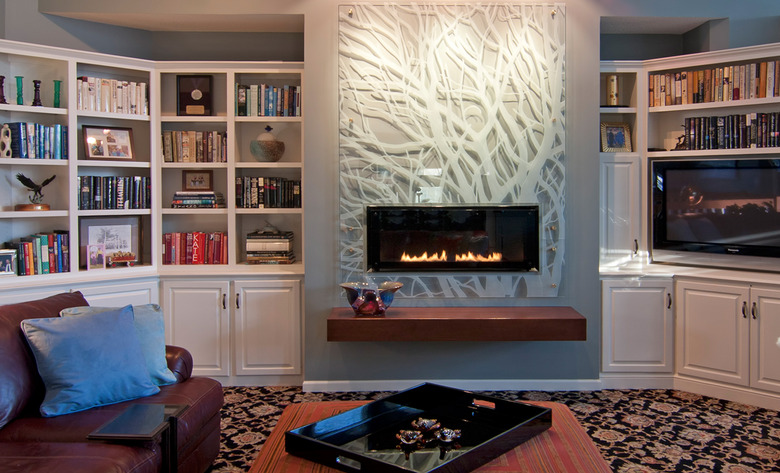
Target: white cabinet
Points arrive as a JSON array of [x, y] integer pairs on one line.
[[197, 318], [267, 327], [236, 327], [619, 212], [729, 333], [637, 325]]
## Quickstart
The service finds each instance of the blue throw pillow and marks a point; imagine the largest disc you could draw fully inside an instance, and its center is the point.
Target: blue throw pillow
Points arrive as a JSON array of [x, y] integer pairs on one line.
[[88, 361], [150, 328]]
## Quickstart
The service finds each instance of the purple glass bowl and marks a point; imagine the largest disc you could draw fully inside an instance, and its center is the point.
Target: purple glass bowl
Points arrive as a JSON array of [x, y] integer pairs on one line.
[[370, 300]]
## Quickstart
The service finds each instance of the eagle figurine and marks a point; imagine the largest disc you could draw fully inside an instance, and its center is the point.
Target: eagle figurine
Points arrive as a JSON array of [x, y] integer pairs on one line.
[[36, 189]]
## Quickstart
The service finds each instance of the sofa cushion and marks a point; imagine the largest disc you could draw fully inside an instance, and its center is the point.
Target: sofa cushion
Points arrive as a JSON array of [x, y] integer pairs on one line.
[[20, 384], [88, 457], [150, 328], [89, 360]]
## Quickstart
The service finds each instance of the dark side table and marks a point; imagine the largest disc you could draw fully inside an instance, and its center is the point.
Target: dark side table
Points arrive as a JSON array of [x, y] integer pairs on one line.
[[144, 423]]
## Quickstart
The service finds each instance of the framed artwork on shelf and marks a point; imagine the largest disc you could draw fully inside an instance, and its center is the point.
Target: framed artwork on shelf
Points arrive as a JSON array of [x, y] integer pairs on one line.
[[615, 137], [7, 262], [108, 143], [97, 256], [193, 93], [119, 237], [197, 180]]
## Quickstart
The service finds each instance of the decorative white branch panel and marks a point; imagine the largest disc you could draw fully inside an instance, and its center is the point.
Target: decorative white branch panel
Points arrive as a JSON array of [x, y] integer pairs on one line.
[[453, 104]]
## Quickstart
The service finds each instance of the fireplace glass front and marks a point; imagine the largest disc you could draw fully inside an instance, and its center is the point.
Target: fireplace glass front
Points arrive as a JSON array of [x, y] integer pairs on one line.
[[452, 238]]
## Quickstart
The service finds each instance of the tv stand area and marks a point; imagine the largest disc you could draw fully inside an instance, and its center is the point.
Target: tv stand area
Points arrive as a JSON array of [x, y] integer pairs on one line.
[[415, 324]]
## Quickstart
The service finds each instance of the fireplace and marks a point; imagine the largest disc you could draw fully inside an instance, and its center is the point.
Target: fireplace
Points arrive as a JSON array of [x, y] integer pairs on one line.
[[452, 238]]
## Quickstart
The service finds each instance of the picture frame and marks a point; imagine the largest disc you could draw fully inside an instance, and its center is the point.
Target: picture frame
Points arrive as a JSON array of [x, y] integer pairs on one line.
[[120, 237], [108, 142], [201, 180], [193, 94], [615, 137], [8, 262], [96, 257]]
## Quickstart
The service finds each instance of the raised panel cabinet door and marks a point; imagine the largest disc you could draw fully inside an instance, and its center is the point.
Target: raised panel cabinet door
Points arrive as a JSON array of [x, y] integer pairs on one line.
[[268, 327], [764, 337], [637, 326], [619, 208], [713, 331], [196, 318]]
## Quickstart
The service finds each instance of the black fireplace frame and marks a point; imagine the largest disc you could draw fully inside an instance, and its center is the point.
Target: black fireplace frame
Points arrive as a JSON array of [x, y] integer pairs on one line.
[[531, 250]]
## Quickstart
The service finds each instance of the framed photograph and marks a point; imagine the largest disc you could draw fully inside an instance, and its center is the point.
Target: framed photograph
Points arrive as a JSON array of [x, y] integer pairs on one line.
[[7, 262], [96, 256], [615, 137], [119, 237], [108, 143], [197, 180], [193, 94]]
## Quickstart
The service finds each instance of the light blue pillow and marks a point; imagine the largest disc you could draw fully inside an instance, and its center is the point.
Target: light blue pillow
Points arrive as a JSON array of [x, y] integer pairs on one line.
[[88, 361], [150, 328]]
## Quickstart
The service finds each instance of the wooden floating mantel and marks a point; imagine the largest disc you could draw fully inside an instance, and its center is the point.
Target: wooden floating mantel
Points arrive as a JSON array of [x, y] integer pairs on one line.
[[458, 324]]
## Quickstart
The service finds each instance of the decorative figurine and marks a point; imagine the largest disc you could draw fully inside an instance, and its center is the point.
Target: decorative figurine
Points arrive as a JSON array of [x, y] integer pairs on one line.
[[37, 98], [19, 90], [408, 439], [2, 90], [36, 189], [447, 438], [370, 299], [57, 87]]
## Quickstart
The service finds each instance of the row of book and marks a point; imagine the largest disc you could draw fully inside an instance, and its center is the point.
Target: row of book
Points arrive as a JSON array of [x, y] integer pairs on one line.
[[257, 192], [719, 84], [197, 200], [194, 146], [265, 100], [195, 248], [37, 141], [42, 253], [270, 248], [111, 95], [114, 192], [751, 130]]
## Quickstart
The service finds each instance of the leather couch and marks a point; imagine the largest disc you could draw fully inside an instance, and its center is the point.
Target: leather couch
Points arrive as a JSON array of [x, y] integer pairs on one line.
[[32, 443]]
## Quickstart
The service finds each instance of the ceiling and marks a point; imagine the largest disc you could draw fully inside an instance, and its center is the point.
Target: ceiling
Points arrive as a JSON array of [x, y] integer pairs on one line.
[[650, 25], [244, 23]]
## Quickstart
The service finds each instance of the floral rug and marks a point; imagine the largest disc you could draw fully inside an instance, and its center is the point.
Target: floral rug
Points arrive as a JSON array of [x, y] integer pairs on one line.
[[636, 430]]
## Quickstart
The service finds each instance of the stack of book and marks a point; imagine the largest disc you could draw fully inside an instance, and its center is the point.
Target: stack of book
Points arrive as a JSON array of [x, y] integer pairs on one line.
[[195, 248], [269, 248], [197, 200]]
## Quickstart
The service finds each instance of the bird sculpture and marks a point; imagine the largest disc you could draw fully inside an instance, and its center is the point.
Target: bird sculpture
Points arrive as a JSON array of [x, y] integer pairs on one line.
[[36, 189]]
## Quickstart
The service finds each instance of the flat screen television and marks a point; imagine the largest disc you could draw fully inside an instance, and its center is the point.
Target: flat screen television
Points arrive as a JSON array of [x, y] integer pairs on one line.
[[716, 212]]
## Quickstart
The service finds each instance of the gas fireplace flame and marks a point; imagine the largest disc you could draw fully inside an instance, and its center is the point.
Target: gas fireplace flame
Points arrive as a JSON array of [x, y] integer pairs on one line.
[[465, 257]]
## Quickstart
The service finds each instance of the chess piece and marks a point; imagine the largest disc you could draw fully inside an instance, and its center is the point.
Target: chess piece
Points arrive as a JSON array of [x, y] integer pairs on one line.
[[2, 91], [37, 98]]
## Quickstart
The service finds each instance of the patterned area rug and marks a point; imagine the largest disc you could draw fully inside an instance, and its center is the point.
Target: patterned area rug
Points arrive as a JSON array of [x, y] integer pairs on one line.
[[636, 430]]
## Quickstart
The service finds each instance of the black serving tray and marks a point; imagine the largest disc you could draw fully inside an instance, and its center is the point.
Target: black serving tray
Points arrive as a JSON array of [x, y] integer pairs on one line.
[[364, 439]]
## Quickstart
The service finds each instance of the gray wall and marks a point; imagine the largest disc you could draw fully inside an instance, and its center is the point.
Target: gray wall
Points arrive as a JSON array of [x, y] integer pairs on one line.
[[427, 361]]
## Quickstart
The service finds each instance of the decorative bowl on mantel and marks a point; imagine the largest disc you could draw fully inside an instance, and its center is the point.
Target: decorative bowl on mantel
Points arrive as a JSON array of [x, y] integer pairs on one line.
[[370, 300]]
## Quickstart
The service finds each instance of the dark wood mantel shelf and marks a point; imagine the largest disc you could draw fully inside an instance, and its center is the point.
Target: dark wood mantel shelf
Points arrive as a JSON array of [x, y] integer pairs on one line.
[[412, 324]]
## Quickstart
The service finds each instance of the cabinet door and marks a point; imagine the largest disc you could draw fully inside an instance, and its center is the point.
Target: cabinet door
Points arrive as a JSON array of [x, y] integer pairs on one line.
[[712, 331], [196, 318], [619, 208], [764, 337], [637, 325], [268, 327]]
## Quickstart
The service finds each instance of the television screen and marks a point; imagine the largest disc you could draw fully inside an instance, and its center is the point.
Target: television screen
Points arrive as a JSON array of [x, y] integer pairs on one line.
[[716, 206]]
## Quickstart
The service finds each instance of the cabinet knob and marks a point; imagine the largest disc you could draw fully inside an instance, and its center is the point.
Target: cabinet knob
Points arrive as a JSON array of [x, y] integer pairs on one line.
[[224, 301], [744, 309], [238, 305], [668, 300], [754, 311], [636, 247]]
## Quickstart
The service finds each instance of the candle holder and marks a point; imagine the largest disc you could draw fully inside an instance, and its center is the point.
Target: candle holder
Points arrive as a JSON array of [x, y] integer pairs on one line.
[[57, 87], [2, 90], [19, 90], [37, 97]]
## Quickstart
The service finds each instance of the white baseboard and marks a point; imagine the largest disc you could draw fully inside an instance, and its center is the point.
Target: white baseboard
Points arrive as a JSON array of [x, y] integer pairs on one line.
[[637, 381], [729, 393], [467, 384]]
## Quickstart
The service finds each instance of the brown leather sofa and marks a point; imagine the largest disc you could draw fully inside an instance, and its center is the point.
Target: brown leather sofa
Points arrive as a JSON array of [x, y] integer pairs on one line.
[[32, 443]]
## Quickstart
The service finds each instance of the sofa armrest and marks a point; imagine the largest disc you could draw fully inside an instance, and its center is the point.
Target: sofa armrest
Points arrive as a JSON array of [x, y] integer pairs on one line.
[[179, 362]]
